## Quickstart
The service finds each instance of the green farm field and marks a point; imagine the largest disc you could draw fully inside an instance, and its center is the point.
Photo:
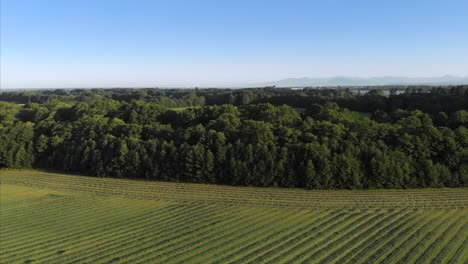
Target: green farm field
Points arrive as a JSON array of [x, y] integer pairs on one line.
[[58, 218]]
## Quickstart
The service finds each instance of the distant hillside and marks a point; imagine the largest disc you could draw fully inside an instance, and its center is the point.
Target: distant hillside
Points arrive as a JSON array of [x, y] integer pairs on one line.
[[355, 81]]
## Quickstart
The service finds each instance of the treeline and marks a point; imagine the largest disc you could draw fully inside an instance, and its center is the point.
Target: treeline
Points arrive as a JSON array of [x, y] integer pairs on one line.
[[321, 146], [429, 99]]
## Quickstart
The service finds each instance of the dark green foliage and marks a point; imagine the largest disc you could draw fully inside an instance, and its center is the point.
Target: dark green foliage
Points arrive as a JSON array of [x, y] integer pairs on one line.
[[16, 146], [400, 143]]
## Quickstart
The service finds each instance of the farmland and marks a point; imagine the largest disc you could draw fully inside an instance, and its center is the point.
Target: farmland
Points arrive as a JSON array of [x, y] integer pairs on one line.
[[57, 218]]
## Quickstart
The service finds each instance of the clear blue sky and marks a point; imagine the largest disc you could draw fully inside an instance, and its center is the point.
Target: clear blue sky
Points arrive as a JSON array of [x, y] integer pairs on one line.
[[100, 43]]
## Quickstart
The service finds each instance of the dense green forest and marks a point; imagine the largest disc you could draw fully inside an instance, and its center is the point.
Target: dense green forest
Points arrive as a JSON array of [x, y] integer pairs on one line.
[[310, 138]]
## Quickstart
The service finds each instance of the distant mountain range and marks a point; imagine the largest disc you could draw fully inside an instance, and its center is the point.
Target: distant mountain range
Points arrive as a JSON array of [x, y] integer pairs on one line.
[[356, 81]]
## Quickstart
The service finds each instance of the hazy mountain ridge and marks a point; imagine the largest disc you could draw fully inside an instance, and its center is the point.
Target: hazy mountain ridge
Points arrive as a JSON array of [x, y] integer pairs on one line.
[[358, 81]]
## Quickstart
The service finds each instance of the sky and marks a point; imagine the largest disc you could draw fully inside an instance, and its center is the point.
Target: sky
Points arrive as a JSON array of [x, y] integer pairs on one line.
[[138, 43]]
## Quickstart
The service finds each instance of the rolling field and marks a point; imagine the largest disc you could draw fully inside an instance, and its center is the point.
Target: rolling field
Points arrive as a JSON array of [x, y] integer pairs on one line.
[[57, 218]]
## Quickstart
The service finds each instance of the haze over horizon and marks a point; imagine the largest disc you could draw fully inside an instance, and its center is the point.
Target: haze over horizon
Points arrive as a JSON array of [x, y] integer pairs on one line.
[[63, 44]]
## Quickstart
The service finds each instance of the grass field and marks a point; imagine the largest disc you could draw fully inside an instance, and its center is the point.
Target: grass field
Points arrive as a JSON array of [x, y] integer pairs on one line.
[[56, 218]]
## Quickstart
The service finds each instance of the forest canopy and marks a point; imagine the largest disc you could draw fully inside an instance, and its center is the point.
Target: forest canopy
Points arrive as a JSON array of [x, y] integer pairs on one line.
[[309, 138]]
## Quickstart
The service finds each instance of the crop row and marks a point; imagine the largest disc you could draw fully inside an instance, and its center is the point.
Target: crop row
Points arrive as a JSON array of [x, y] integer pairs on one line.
[[445, 198]]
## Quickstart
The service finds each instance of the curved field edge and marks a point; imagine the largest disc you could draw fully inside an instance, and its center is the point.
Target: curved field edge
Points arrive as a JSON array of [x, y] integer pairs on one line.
[[58, 218], [232, 195]]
